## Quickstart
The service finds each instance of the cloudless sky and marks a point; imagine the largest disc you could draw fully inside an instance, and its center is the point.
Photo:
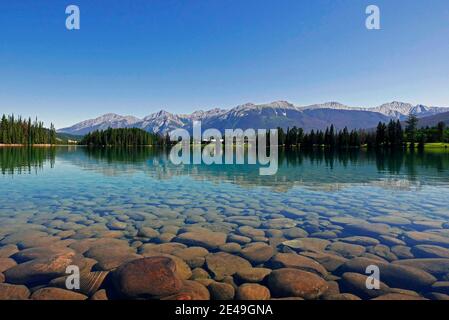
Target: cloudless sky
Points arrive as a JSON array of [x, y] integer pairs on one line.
[[139, 56]]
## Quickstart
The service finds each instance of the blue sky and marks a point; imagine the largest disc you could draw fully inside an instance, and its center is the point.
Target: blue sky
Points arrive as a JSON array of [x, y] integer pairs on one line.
[[137, 57]]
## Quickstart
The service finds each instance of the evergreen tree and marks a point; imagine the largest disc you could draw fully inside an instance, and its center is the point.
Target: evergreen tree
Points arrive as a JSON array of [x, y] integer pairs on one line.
[[399, 141], [381, 134], [18, 131], [122, 137], [440, 131], [410, 130]]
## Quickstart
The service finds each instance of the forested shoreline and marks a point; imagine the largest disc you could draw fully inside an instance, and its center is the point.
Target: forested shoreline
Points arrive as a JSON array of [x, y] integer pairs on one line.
[[391, 135], [396, 135], [18, 131], [122, 137]]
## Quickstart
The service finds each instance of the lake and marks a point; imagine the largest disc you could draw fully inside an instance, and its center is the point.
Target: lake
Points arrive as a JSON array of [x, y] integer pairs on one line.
[[321, 220]]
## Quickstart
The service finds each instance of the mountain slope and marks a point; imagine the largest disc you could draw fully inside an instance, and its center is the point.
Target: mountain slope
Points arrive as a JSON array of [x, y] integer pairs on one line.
[[262, 116], [110, 120], [400, 110], [395, 109], [433, 121]]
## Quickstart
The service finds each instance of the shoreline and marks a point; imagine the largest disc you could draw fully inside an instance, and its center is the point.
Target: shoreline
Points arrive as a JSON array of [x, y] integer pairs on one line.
[[35, 145], [439, 146]]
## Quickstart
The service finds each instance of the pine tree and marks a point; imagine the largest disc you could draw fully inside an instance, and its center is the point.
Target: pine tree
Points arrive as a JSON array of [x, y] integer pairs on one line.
[[440, 131], [410, 130]]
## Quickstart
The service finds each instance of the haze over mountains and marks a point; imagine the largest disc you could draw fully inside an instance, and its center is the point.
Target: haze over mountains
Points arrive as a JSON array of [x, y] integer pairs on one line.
[[276, 114]]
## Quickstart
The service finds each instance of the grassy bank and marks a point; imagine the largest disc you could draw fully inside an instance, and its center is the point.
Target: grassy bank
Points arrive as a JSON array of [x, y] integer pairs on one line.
[[437, 147]]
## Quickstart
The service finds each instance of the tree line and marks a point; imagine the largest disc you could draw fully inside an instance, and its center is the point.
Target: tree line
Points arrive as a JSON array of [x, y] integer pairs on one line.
[[386, 135], [19, 131], [122, 137]]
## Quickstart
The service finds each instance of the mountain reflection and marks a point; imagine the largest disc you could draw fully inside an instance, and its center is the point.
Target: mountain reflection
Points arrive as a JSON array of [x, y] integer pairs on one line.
[[318, 169]]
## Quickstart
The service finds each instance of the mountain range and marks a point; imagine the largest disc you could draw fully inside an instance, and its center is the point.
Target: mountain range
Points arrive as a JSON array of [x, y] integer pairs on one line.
[[275, 114]]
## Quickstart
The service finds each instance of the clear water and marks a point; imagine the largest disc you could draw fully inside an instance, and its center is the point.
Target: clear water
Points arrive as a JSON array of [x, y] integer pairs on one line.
[[38, 185], [359, 184]]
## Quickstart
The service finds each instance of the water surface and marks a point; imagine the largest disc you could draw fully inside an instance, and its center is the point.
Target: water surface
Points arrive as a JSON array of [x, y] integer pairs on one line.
[[81, 190]]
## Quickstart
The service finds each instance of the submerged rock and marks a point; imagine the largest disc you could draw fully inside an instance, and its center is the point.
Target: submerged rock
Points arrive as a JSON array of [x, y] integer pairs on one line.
[[253, 275], [8, 250], [293, 233], [147, 277], [42, 253], [250, 232], [90, 282], [6, 263], [208, 240], [441, 287], [257, 253], [398, 296], [253, 291], [224, 264], [100, 295], [231, 247], [57, 294], [147, 232], [360, 240], [307, 244], [110, 257], [117, 225], [391, 220], [347, 250], [402, 252], [41, 271], [437, 296], [328, 260], [435, 266], [341, 297], [193, 256], [13, 292], [420, 238], [191, 290], [239, 239], [221, 291], [356, 283], [391, 241], [199, 273], [169, 248], [393, 275], [369, 229], [296, 283], [32, 242], [430, 251], [293, 260], [384, 252], [333, 289]]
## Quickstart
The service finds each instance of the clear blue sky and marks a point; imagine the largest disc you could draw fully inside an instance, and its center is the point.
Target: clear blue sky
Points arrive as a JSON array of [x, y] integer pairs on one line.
[[137, 57]]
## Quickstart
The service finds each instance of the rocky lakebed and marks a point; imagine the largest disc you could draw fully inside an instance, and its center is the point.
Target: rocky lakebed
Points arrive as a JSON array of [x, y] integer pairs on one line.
[[183, 252]]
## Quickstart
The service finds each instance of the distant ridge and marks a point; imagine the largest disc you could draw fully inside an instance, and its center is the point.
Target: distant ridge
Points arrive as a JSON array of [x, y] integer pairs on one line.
[[271, 115], [433, 121]]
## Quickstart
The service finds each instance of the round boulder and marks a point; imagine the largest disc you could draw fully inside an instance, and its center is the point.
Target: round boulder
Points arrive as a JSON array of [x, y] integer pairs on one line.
[[153, 276], [253, 291], [288, 282]]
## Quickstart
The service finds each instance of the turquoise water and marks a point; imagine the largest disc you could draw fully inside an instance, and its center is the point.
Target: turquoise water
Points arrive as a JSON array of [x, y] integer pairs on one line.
[[81, 190], [356, 184]]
